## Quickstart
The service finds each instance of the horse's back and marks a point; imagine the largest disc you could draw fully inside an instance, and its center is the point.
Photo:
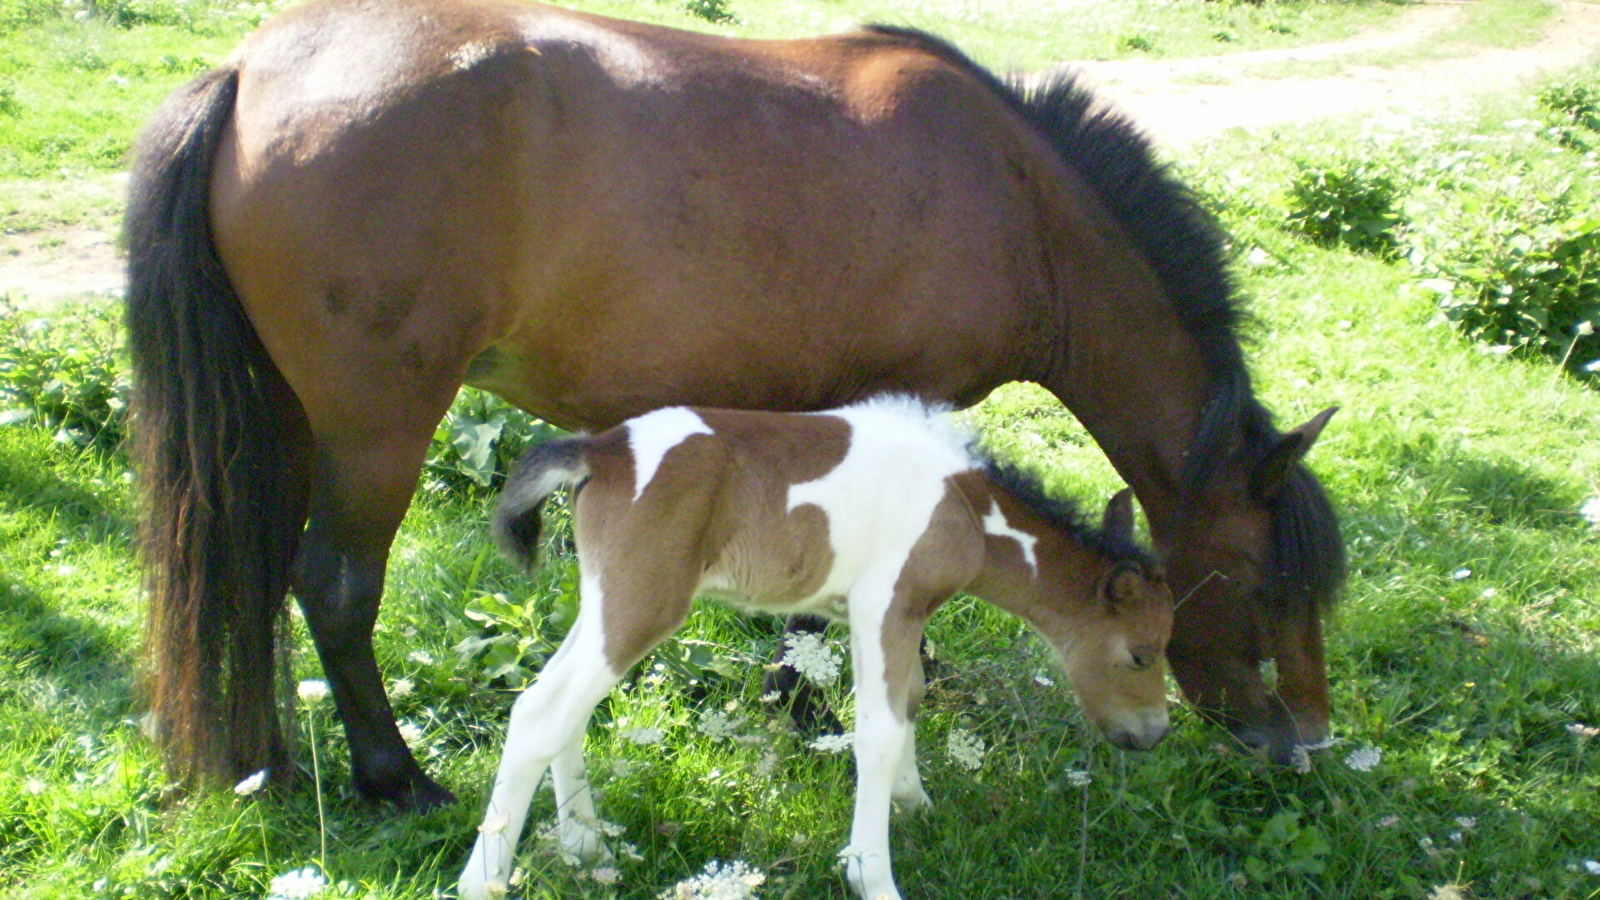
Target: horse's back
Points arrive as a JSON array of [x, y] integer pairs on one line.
[[594, 218]]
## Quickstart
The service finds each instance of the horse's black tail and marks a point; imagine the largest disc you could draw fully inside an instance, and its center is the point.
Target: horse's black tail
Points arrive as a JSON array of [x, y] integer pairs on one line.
[[219, 445], [541, 470]]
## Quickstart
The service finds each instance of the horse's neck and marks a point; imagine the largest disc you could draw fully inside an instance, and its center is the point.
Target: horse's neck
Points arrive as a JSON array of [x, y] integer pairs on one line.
[[1137, 381]]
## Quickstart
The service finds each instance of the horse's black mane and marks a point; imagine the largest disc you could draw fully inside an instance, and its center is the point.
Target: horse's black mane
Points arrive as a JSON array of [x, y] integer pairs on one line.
[[1186, 248], [1059, 511]]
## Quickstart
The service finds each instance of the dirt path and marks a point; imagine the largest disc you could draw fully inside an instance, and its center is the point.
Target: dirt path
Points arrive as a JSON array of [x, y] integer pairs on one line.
[[1185, 100], [1177, 102]]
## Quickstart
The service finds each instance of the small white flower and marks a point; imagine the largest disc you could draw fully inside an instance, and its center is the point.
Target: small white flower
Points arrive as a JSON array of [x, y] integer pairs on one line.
[[311, 690], [1446, 892], [771, 697], [1461, 574], [809, 654], [411, 734], [768, 764], [644, 737], [401, 688], [1365, 759], [1590, 510], [1043, 679], [965, 749], [252, 784], [719, 881], [1302, 759], [605, 875], [420, 657], [1592, 866], [298, 885], [1467, 823], [1579, 729], [1258, 257], [1388, 821], [34, 787], [833, 743], [1078, 777]]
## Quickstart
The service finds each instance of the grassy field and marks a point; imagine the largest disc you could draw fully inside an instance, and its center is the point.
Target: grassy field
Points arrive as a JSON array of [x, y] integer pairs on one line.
[[1464, 658]]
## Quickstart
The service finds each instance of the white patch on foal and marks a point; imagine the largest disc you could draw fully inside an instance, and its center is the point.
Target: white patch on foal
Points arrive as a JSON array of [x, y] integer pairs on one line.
[[995, 523], [653, 435], [879, 501]]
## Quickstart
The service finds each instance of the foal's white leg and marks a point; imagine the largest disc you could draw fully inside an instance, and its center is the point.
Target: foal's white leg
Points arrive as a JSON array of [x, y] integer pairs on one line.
[[547, 721], [577, 820], [881, 739], [908, 793]]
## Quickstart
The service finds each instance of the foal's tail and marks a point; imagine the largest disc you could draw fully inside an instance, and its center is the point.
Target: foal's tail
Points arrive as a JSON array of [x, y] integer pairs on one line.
[[541, 470], [219, 447]]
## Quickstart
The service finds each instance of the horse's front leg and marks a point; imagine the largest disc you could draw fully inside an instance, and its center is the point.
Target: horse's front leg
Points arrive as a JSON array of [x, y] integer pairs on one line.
[[808, 708]]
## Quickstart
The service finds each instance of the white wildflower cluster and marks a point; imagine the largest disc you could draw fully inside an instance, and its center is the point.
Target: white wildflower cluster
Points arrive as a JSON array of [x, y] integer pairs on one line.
[[312, 690], [1580, 730], [719, 881], [401, 688], [644, 737], [833, 743], [720, 725], [1364, 759], [297, 885], [810, 655], [966, 749], [1591, 866], [1078, 778]]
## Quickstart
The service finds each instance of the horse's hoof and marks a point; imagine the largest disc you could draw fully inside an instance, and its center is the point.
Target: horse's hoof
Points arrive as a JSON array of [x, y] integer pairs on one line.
[[419, 793]]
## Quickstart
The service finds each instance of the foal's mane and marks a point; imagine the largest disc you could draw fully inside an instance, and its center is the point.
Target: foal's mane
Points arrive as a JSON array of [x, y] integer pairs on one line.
[[1186, 249], [1059, 511]]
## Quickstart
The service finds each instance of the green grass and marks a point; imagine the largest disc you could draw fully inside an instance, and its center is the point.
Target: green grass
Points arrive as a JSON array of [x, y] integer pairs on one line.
[[1464, 650]]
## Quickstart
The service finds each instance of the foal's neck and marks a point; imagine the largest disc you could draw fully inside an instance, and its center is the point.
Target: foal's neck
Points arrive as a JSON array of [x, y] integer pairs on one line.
[[1034, 568]]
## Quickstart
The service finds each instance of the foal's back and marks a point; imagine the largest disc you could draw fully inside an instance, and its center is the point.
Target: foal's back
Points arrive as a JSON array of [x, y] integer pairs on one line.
[[781, 513]]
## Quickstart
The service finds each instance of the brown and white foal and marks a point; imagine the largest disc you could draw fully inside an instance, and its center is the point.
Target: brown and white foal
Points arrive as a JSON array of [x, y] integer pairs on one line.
[[876, 514]]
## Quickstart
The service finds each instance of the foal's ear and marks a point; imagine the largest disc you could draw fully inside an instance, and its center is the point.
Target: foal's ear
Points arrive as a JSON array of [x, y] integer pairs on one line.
[[1118, 519], [1126, 584], [1273, 470]]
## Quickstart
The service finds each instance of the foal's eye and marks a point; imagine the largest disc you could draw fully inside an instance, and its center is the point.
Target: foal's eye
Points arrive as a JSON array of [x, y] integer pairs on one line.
[[1138, 662]]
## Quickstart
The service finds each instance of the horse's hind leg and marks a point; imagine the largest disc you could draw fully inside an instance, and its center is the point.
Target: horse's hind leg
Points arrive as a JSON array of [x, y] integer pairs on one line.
[[360, 492]]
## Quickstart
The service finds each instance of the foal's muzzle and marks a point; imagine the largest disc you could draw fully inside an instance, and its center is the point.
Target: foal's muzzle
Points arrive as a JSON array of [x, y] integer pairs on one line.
[[1143, 731]]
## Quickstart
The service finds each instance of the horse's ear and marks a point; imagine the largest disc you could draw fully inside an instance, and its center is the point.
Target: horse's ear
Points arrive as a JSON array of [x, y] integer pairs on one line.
[[1118, 519], [1273, 470]]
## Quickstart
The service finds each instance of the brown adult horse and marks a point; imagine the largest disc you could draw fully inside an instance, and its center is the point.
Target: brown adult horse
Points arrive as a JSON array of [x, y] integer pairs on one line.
[[374, 201]]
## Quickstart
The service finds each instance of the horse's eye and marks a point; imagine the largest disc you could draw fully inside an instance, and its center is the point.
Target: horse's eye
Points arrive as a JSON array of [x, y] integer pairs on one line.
[[1139, 661]]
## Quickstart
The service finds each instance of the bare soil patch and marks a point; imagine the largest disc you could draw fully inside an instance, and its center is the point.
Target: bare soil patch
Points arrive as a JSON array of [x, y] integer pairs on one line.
[[1182, 101]]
